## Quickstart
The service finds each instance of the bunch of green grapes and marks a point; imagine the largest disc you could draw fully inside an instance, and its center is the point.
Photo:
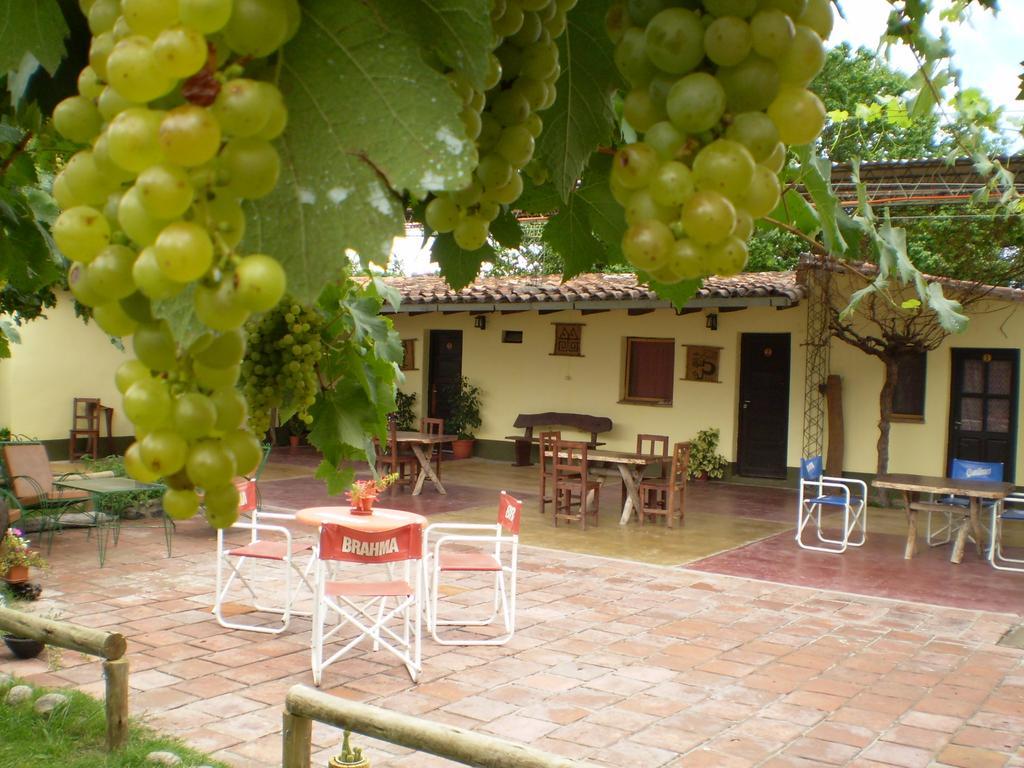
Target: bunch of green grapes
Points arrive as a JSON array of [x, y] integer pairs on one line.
[[280, 369], [504, 121], [718, 88], [177, 137]]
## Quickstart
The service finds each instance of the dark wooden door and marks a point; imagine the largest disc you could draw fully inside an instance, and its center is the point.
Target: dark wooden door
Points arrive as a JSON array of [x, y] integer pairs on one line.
[[764, 404], [444, 371], [983, 407]]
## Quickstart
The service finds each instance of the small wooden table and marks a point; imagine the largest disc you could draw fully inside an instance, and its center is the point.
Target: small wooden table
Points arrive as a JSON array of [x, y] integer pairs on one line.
[[382, 519], [631, 466], [974, 490], [419, 441]]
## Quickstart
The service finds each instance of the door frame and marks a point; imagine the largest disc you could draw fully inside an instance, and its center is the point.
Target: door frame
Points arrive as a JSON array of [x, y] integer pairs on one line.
[[434, 337], [741, 419]]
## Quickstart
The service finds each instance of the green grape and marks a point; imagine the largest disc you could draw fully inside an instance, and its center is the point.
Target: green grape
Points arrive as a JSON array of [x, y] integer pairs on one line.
[[210, 464], [184, 251], [493, 170], [111, 171], [750, 85], [665, 139], [688, 259], [616, 21], [89, 84], [507, 194], [631, 57], [85, 180], [180, 51], [471, 233], [792, 8], [251, 166], [818, 16], [643, 207], [134, 72], [77, 119], [776, 161], [194, 415], [658, 90], [727, 41], [112, 318], [102, 16], [696, 103], [149, 17], [771, 33], [803, 59], [493, 76], [243, 106], [259, 282], [471, 122], [672, 184], [136, 467], [256, 27], [442, 214], [132, 139], [744, 225], [723, 166], [218, 308], [798, 114], [516, 144], [468, 196], [63, 195], [222, 214], [728, 257], [509, 22], [165, 191], [246, 449], [154, 345], [128, 373], [634, 165], [81, 233], [224, 350], [138, 307], [277, 121], [189, 135], [220, 505], [643, 11], [761, 197], [231, 408], [647, 244], [528, 31], [212, 378], [708, 217], [99, 49], [110, 273], [510, 107], [540, 61], [111, 103], [675, 40], [163, 451], [641, 111], [78, 282], [740, 8], [205, 15], [180, 504], [756, 132], [135, 220]]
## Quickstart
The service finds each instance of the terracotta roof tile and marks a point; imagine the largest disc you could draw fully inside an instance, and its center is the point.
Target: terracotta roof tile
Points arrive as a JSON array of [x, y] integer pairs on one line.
[[432, 289]]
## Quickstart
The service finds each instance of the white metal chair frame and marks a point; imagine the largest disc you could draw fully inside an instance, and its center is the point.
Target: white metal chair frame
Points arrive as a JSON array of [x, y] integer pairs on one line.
[[364, 605], [505, 570], [283, 551], [1000, 514], [961, 469], [829, 493]]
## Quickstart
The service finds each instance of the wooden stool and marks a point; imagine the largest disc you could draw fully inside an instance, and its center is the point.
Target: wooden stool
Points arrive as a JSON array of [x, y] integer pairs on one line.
[[85, 424]]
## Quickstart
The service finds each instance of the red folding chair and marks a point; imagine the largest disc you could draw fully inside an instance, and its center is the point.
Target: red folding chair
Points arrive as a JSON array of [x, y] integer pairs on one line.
[[364, 605]]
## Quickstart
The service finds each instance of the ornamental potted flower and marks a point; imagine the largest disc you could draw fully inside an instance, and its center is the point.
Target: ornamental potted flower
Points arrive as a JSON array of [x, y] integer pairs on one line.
[[363, 493], [463, 416], [16, 557], [705, 460], [349, 757]]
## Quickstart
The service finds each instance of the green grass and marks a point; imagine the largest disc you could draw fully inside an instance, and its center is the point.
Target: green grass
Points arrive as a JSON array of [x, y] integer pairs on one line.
[[74, 736]]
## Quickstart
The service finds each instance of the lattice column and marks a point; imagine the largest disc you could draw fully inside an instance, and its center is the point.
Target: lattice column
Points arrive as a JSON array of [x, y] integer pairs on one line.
[[815, 280]]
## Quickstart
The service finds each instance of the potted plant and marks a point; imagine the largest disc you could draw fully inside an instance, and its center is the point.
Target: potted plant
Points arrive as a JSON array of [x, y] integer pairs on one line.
[[349, 757], [405, 410], [463, 417], [16, 558], [705, 460], [297, 429], [363, 493]]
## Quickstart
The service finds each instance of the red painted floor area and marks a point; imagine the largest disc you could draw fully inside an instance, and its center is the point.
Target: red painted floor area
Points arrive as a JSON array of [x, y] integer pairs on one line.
[[877, 569]]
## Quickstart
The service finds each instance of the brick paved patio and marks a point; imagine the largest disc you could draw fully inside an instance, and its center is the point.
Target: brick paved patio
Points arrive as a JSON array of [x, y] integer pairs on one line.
[[618, 662]]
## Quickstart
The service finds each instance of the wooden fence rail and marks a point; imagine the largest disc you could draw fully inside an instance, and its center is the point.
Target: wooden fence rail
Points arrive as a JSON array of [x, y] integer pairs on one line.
[[303, 705], [110, 646]]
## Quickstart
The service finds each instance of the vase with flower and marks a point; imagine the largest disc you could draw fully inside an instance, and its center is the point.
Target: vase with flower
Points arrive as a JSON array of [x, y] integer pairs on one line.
[[16, 557], [363, 493]]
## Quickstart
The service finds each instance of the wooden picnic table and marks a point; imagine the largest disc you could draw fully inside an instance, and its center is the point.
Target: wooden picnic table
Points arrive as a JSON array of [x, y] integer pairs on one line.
[[912, 486], [423, 445]]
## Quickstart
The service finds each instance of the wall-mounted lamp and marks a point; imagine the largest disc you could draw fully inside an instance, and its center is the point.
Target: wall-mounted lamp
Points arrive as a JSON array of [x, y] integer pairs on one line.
[[711, 321], [480, 322]]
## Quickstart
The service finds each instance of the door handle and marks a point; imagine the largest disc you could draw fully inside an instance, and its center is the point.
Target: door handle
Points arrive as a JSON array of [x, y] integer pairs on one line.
[[746, 404]]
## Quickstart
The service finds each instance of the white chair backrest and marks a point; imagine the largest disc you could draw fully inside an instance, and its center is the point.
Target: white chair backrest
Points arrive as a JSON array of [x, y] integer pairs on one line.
[[350, 545]]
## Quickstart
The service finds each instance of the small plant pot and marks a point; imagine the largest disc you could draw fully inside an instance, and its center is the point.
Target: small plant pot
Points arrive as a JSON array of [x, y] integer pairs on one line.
[[17, 574], [336, 762], [462, 449], [23, 647], [293, 441]]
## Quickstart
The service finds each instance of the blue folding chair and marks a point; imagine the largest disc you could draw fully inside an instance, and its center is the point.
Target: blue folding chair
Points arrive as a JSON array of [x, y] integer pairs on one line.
[[961, 469], [1010, 510], [820, 494]]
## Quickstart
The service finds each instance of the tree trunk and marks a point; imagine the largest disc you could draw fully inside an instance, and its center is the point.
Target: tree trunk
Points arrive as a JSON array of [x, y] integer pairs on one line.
[[884, 422]]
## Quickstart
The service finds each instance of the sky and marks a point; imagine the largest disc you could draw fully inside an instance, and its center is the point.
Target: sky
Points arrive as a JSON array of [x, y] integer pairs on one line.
[[989, 50]]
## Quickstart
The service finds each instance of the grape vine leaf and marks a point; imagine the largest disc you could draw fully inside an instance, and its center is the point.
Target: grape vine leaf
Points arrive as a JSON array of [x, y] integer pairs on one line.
[[678, 293], [569, 234], [368, 120], [37, 27], [506, 230], [180, 314], [458, 267], [816, 175], [581, 118]]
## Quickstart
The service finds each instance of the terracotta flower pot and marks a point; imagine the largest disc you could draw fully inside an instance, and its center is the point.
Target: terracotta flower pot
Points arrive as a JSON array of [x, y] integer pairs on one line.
[[16, 574], [23, 647], [462, 449]]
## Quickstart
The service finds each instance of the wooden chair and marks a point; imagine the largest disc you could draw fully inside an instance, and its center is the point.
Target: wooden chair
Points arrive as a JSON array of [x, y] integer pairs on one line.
[[434, 427], [650, 445], [577, 496], [665, 496], [85, 424], [393, 460], [547, 477]]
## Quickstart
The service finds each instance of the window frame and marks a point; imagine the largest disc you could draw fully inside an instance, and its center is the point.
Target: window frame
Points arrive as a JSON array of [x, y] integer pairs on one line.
[[627, 397], [917, 415], [408, 355]]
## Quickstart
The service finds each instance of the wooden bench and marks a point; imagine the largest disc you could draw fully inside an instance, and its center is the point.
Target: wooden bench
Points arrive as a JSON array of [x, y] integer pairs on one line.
[[578, 421]]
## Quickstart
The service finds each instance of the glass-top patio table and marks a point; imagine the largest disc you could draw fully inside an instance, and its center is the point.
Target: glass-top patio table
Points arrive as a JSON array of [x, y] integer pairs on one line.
[[99, 488]]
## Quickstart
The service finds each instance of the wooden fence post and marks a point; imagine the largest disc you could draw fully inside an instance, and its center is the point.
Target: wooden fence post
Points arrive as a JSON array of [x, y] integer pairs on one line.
[[116, 702], [298, 731]]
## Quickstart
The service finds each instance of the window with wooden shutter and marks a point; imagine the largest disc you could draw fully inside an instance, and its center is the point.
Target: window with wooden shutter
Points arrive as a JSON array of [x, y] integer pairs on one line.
[[650, 366], [908, 394]]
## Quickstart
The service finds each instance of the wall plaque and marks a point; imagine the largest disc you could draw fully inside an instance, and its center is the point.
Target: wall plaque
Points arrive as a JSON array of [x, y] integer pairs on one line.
[[569, 339], [702, 363]]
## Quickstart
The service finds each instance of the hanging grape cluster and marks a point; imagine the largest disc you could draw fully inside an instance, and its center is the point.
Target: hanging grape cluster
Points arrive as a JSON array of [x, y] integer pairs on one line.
[[280, 370], [177, 138], [717, 90], [504, 122]]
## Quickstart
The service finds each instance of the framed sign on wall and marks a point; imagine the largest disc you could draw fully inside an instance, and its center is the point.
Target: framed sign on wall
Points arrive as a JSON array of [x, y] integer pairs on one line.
[[568, 339], [702, 363]]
